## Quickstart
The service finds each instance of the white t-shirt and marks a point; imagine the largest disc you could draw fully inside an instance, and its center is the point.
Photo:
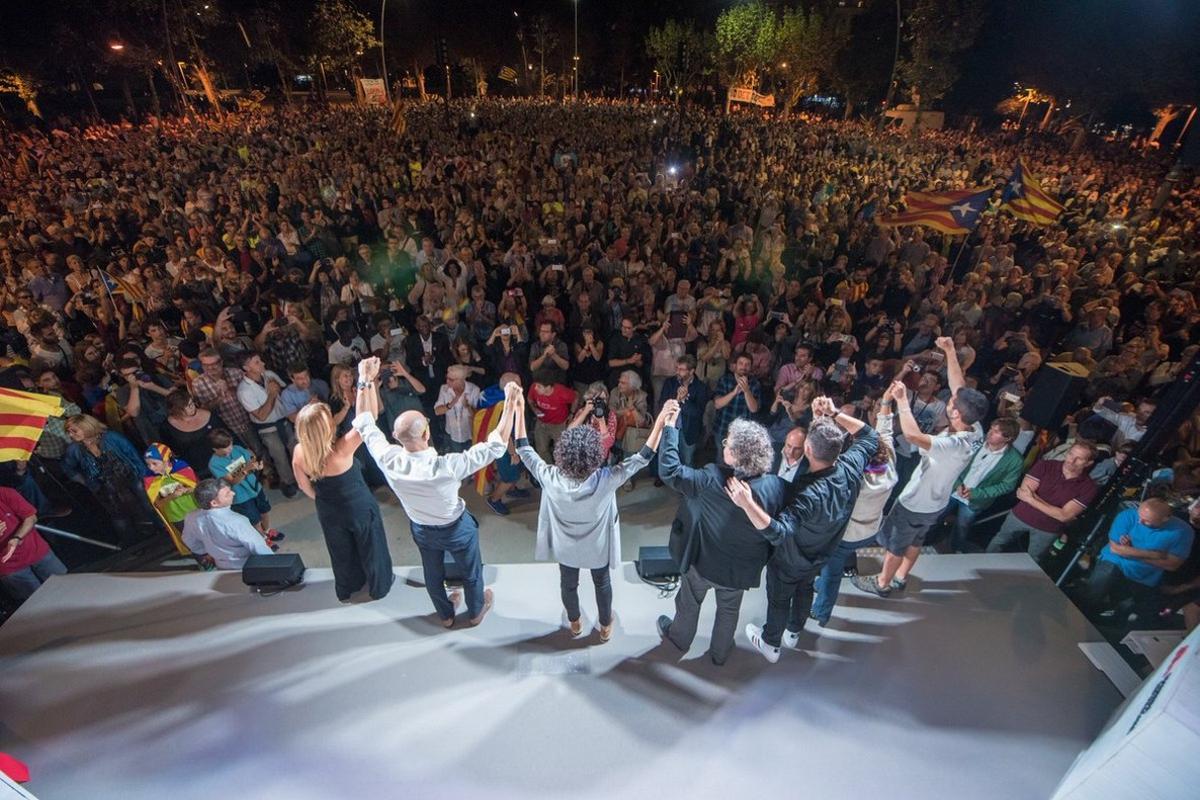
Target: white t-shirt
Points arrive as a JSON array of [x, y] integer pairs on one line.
[[348, 356], [928, 490], [252, 396], [392, 346], [459, 415]]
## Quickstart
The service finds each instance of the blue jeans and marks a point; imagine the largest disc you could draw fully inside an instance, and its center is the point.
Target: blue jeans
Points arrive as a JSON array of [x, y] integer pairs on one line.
[[829, 582], [22, 583], [963, 520], [461, 540]]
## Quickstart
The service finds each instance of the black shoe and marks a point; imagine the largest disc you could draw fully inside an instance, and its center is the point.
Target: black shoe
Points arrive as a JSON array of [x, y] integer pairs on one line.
[[868, 584], [849, 572], [658, 482], [664, 628], [289, 490]]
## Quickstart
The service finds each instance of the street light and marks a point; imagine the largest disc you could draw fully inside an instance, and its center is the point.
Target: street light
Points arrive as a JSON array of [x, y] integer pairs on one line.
[[116, 47]]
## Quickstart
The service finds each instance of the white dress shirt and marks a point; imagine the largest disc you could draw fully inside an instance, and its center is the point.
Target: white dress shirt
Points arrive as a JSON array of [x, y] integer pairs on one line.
[[224, 535], [459, 415], [252, 395], [427, 482], [788, 471]]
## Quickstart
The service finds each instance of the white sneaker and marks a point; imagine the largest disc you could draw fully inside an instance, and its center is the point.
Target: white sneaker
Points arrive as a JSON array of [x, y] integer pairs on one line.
[[754, 634], [790, 640]]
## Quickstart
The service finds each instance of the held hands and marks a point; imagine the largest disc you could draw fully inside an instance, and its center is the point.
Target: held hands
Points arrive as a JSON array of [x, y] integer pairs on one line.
[[368, 369], [823, 407], [898, 392], [739, 493], [670, 413]]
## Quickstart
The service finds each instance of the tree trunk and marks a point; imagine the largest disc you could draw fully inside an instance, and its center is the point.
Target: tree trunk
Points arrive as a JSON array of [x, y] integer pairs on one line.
[[1045, 123], [849, 108], [210, 91], [155, 103], [284, 84], [87, 90], [129, 104], [621, 83]]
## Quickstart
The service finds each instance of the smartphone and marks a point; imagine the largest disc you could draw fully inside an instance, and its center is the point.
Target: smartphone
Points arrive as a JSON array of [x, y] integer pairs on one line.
[[396, 332], [937, 355], [833, 301], [506, 331], [557, 267], [676, 328], [1010, 397]]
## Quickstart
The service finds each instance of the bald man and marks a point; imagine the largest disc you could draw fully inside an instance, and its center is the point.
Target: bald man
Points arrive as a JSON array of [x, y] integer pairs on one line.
[[791, 456], [427, 484], [1144, 543]]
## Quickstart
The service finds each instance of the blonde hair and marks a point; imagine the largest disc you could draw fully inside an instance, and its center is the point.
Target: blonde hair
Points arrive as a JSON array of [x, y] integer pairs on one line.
[[89, 426], [335, 385], [315, 432]]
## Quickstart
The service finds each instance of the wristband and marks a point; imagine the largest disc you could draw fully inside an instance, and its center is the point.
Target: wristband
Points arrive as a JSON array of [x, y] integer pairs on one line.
[[365, 384]]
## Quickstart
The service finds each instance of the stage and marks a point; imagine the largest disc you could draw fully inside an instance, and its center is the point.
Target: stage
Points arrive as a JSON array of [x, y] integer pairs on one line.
[[184, 686]]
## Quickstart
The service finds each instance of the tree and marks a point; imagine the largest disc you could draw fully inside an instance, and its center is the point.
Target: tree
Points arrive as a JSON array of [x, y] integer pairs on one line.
[[23, 87], [545, 43], [747, 40], [936, 32], [807, 45], [860, 69], [681, 53], [339, 35], [268, 44]]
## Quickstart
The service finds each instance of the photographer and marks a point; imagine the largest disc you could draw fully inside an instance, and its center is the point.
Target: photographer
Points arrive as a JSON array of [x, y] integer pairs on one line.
[[594, 411]]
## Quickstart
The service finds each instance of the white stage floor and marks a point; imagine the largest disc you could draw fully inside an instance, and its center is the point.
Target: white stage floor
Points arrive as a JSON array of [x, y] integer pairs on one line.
[[185, 686]]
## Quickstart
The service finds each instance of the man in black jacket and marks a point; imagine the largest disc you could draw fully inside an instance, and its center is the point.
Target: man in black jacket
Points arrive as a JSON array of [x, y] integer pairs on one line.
[[809, 528], [713, 543], [428, 355]]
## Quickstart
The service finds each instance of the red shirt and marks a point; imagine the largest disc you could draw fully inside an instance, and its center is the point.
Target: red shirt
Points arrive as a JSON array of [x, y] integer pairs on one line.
[[14, 509], [1056, 489], [554, 407]]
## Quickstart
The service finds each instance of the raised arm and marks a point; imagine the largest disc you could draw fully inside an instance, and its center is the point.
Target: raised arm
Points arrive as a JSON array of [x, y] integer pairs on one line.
[[908, 423], [366, 400], [954, 372]]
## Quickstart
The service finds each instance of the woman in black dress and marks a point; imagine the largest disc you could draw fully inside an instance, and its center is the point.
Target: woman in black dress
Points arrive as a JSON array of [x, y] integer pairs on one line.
[[187, 429], [327, 471]]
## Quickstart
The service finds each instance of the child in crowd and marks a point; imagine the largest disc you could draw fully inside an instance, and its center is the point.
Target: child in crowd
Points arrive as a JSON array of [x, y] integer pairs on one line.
[[237, 466]]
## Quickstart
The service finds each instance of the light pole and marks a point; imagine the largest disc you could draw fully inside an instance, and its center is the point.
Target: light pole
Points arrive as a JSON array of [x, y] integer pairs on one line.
[[576, 61], [387, 91], [523, 74]]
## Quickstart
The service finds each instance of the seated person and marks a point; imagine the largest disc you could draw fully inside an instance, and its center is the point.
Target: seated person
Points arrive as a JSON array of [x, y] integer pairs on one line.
[[1143, 544], [215, 530]]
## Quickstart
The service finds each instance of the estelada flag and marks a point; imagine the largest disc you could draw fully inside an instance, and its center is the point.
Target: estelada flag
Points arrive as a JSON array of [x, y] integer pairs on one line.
[[491, 408], [954, 212], [1026, 199], [22, 419]]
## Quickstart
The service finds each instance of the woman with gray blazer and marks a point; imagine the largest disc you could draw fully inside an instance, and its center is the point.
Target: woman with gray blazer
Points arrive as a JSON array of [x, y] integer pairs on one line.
[[578, 523]]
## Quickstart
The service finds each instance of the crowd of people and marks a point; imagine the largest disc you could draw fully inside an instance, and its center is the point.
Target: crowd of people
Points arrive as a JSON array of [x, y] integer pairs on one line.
[[203, 294]]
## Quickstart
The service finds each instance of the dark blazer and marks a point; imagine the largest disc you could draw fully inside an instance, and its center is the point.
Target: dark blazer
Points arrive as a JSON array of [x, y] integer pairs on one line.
[[710, 533], [806, 532], [414, 352]]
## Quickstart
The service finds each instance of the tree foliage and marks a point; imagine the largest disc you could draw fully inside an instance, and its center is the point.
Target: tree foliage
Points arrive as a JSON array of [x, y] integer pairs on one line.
[[747, 39], [807, 42], [339, 35], [937, 32], [682, 54]]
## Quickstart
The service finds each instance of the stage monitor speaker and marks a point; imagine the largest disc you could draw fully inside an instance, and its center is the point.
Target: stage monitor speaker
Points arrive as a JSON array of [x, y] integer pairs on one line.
[[273, 572], [1053, 393], [656, 564]]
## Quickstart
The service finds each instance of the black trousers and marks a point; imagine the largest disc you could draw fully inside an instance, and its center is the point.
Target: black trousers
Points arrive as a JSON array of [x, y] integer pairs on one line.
[[358, 553], [569, 584], [789, 598]]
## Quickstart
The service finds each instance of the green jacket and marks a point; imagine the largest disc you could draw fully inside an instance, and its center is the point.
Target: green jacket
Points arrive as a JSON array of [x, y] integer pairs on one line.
[[1000, 481]]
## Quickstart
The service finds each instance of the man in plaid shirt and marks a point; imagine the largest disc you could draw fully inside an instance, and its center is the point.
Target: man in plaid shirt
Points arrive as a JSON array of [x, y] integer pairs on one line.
[[216, 389], [738, 395]]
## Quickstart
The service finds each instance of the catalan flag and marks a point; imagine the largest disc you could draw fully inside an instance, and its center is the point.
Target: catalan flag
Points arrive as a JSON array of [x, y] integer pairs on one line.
[[118, 284], [22, 418], [1026, 200], [954, 212]]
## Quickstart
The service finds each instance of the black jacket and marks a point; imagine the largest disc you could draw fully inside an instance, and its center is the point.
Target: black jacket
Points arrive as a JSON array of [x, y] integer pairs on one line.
[[807, 531], [709, 531]]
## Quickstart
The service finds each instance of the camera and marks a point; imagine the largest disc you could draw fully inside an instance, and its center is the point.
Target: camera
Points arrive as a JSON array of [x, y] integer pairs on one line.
[[599, 407]]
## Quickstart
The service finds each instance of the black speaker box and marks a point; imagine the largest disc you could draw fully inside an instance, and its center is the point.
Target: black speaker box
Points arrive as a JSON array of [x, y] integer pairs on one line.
[[656, 563], [276, 571], [1053, 393]]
